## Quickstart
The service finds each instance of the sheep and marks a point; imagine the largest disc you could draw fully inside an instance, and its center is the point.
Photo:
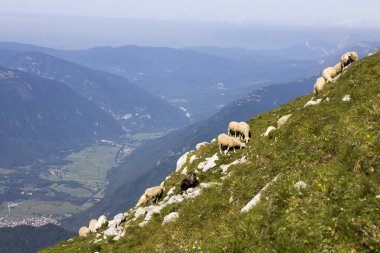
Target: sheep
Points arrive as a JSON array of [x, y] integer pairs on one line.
[[347, 58], [151, 194], [244, 129], [101, 222], [269, 129], [233, 127], [239, 128], [92, 225], [229, 142], [281, 122], [329, 73], [338, 68], [84, 231], [190, 181], [319, 85]]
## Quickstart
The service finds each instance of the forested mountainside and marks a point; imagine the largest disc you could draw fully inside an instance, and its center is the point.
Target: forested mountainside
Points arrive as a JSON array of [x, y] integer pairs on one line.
[[310, 186], [137, 109], [40, 118]]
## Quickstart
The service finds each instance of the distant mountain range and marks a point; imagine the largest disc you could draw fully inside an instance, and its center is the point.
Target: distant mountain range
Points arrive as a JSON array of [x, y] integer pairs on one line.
[[40, 118], [134, 107], [200, 81]]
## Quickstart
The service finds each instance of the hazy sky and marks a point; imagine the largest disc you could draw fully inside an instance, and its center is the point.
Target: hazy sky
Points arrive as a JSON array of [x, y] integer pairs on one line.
[[186, 23], [305, 12]]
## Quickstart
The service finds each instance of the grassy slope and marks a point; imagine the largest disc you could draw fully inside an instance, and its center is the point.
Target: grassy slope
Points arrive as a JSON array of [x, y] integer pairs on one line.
[[333, 147]]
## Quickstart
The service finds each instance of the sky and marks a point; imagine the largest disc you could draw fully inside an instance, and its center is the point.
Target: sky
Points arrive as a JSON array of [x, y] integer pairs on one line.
[[257, 24], [302, 12]]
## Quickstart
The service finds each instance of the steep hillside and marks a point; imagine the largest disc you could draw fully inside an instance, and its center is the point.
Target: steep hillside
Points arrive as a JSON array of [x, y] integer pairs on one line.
[[151, 163], [39, 118], [313, 185], [134, 107]]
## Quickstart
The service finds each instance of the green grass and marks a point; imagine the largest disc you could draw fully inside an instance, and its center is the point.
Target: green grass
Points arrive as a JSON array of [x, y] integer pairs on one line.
[[333, 147]]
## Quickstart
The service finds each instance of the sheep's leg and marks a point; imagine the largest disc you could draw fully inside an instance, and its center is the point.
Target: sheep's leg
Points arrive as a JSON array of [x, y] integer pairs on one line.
[[234, 149], [220, 149]]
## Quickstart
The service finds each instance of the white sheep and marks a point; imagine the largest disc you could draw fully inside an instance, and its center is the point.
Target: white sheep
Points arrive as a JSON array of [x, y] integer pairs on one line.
[[233, 127], [229, 142], [329, 73], [313, 102], [319, 85], [84, 231], [239, 128], [338, 69], [347, 58], [92, 225], [150, 194], [282, 121], [101, 222], [269, 129]]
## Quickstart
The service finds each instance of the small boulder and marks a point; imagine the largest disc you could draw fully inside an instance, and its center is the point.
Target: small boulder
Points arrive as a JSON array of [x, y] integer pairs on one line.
[[300, 185], [170, 217]]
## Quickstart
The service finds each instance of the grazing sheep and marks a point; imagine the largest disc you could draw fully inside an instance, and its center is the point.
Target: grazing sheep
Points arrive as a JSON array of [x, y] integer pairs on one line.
[[229, 142], [190, 181], [241, 129], [329, 73], [282, 121], [319, 85], [269, 129], [84, 231], [233, 127], [244, 129], [101, 222], [347, 58], [151, 194], [338, 68], [92, 225]]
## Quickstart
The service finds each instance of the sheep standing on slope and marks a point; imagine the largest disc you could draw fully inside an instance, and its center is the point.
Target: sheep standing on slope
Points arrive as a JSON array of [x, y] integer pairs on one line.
[[347, 58], [228, 142], [190, 181], [233, 127], [151, 194], [239, 128], [329, 73], [319, 85]]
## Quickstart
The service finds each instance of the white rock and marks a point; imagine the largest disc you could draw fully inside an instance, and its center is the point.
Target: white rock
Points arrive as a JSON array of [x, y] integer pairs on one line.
[[269, 129], [175, 199], [231, 199], [119, 218], [192, 158], [112, 224], [170, 217], [184, 171], [199, 145], [257, 197], [140, 211], [171, 191], [242, 160], [210, 162], [213, 140], [181, 161], [194, 193], [346, 98], [111, 232], [327, 99], [313, 102], [300, 185], [210, 184]]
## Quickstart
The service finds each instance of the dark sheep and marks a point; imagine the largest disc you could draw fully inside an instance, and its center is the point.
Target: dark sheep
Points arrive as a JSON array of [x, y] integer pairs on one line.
[[190, 181]]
